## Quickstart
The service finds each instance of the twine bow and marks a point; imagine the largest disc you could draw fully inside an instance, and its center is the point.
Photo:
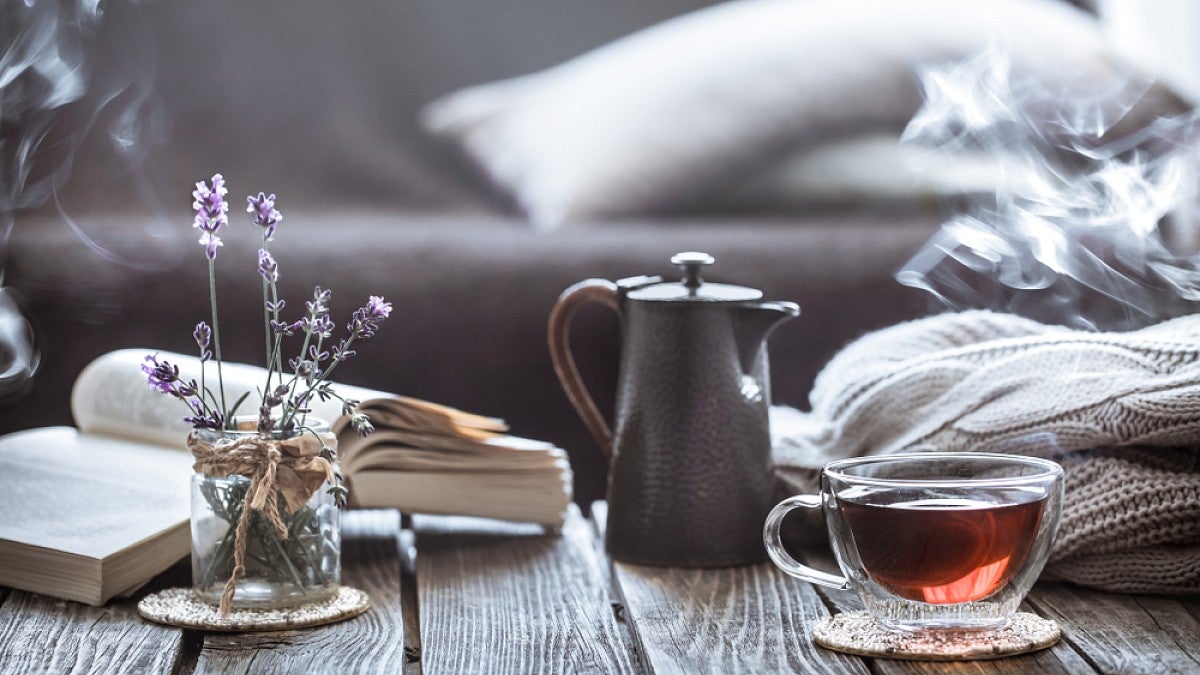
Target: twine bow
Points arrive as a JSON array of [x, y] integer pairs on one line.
[[291, 468]]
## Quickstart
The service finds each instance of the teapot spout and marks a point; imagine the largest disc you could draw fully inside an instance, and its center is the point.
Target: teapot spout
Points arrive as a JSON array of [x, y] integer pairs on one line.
[[754, 323]]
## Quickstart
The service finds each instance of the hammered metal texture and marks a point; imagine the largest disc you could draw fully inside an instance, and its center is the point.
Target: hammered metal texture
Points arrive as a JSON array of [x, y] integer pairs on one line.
[[691, 480]]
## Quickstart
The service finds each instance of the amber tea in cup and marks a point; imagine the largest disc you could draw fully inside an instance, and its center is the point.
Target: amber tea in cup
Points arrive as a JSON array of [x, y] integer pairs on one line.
[[933, 540], [943, 550]]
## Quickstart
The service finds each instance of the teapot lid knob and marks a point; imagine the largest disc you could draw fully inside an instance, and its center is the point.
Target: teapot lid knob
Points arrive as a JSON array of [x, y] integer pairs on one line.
[[691, 262]]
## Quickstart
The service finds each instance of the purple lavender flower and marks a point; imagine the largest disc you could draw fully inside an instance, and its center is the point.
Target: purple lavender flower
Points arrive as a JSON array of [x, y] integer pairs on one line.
[[322, 326], [341, 353], [302, 367], [377, 308], [348, 406], [210, 242], [203, 337], [365, 320], [266, 423], [265, 213], [268, 269], [341, 495], [187, 389], [161, 375], [211, 213], [299, 403], [319, 304], [275, 306], [275, 398], [212, 420], [362, 424], [282, 327]]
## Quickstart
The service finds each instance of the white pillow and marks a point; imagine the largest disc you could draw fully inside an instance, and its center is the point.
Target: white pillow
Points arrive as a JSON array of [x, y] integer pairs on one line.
[[869, 168], [674, 112]]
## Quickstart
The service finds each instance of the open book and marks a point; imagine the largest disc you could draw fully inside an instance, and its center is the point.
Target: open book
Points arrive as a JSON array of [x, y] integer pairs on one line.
[[96, 511]]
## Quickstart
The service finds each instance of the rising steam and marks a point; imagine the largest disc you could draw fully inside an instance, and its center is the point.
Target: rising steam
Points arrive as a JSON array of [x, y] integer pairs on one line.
[[53, 92], [1079, 231]]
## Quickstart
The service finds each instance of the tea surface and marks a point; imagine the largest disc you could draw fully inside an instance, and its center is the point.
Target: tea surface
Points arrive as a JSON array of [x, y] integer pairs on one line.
[[943, 550]]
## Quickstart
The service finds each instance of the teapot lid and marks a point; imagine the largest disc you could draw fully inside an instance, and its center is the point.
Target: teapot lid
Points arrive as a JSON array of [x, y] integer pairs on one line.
[[692, 288]]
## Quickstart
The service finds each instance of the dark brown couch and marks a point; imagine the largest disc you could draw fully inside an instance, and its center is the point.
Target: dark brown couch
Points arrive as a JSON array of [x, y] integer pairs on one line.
[[315, 101]]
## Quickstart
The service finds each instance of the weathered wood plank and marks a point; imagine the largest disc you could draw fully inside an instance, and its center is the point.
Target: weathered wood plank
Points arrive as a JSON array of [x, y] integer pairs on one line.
[[663, 653], [43, 635], [371, 643], [1123, 633], [1192, 604], [499, 598], [1061, 658], [599, 521], [409, 599], [735, 619], [666, 657]]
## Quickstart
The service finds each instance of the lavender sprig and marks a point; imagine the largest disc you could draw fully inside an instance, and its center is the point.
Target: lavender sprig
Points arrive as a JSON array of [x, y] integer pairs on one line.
[[268, 269], [314, 366], [266, 215], [212, 214], [284, 405], [203, 337], [164, 376]]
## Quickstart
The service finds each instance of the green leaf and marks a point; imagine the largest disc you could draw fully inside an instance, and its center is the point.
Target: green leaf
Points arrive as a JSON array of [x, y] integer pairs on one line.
[[238, 404]]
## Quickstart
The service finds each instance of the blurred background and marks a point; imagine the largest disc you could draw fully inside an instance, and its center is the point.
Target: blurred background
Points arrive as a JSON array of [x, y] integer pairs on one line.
[[468, 160]]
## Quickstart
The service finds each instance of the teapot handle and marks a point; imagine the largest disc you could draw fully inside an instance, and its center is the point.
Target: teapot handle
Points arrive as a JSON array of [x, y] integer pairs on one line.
[[559, 333]]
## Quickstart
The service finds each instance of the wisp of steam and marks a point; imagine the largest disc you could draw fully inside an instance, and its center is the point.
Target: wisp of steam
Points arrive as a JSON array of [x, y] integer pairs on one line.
[[1091, 224], [53, 90]]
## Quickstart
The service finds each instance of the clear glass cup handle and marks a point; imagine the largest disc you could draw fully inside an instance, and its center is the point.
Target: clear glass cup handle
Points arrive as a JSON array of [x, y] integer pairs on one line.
[[782, 558]]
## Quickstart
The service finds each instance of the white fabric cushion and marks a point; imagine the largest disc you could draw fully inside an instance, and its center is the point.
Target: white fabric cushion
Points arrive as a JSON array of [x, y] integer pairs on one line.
[[673, 113], [869, 168]]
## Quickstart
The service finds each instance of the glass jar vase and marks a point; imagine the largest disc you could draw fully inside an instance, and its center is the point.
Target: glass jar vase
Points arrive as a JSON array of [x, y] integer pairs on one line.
[[279, 571]]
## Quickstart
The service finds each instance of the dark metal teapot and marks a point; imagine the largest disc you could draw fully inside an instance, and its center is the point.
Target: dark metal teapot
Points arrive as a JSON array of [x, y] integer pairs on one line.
[[691, 478]]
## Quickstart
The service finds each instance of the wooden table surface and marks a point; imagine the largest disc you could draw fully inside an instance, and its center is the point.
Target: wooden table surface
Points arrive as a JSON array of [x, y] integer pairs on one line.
[[461, 595]]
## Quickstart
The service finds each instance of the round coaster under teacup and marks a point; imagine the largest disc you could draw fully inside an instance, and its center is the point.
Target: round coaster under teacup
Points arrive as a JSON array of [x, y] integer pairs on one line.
[[183, 608], [857, 633]]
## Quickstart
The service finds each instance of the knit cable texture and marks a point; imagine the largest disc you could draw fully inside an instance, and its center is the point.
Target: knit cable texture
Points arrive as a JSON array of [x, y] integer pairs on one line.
[[1122, 408]]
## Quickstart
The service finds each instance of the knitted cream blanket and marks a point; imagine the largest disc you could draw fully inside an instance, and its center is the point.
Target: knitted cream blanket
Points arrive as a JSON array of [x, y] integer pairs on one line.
[[1125, 408]]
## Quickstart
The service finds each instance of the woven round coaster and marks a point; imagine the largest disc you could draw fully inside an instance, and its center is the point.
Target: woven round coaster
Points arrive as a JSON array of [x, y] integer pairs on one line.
[[182, 607], [857, 633]]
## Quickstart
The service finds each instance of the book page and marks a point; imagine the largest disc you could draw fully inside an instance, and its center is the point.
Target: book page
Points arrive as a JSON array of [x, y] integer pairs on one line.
[[90, 496], [111, 396], [402, 412]]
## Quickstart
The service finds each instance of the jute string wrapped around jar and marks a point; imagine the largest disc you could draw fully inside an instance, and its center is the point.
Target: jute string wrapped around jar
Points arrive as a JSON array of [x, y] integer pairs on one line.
[[291, 468]]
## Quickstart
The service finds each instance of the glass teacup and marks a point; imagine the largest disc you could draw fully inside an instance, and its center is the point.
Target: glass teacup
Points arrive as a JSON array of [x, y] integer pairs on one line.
[[933, 540]]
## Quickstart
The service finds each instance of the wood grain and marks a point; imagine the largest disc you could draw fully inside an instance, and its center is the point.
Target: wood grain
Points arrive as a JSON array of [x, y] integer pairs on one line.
[[1124, 633], [734, 619], [1192, 604], [409, 600], [599, 521], [508, 598], [43, 635], [665, 652], [371, 643]]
